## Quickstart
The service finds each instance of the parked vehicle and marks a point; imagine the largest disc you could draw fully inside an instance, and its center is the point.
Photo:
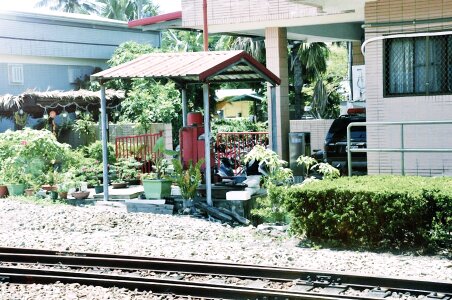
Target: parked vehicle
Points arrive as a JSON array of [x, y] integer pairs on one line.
[[335, 150]]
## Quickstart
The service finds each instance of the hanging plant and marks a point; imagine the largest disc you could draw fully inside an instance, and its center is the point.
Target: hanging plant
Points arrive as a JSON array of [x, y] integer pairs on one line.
[[20, 119], [85, 125]]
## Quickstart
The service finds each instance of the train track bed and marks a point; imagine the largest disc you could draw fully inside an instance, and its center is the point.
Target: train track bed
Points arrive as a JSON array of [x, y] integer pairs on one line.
[[206, 279]]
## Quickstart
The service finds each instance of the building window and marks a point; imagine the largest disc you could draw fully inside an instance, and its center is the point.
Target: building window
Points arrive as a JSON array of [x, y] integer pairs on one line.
[[16, 74], [418, 66]]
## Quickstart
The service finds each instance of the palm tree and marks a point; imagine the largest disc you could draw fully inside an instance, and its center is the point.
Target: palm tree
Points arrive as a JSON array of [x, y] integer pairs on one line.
[[254, 46], [71, 6], [127, 10], [314, 57]]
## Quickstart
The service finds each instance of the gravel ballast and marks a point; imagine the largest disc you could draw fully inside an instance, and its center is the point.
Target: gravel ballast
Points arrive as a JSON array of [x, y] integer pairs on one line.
[[98, 229]]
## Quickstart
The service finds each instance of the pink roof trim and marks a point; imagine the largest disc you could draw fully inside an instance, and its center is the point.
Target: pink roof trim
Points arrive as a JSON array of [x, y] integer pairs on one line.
[[156, 19]]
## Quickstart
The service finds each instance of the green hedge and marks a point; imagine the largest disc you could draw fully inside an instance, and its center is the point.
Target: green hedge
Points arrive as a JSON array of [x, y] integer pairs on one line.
[[375, 211]]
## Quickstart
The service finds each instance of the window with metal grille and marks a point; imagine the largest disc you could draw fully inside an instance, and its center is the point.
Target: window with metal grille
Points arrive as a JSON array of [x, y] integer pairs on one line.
[[418, 66], [16, 74]]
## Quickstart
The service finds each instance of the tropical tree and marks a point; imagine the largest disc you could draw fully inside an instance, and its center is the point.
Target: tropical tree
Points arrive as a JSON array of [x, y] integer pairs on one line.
[[254, 46], [71, 6], [182, 41], [311, 57], [127, 10]]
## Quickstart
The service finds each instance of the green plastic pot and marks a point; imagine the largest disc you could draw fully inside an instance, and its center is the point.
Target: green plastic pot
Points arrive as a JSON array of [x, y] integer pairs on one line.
[[156, 188], [16, 189]]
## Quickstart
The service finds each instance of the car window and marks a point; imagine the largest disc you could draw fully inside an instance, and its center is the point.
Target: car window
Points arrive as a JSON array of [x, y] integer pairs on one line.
[[338, 131]]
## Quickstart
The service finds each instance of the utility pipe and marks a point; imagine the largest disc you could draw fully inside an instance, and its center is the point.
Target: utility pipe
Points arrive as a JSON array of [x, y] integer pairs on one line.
[[205, 29], [402, 35]]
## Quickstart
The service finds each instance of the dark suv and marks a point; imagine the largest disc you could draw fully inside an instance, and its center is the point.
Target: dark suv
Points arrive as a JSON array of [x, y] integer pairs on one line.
[[335, 150]]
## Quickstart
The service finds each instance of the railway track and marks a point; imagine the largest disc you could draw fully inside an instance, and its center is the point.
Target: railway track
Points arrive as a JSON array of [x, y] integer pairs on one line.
[[205, 279]]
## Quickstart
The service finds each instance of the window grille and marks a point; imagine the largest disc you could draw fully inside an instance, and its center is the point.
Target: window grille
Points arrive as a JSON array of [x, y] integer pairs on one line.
[[16, 74], [418, 66]]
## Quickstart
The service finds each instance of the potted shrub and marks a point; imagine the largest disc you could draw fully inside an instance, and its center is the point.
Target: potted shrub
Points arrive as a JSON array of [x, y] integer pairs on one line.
[[51, 180], [80, 193], [156, 185], [14, 176], [187, 180], [125, 170]]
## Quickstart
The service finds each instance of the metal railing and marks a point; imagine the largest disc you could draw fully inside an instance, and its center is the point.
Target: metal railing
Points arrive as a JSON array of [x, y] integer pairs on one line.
[[139, 147], [402, 148], [235, 145]]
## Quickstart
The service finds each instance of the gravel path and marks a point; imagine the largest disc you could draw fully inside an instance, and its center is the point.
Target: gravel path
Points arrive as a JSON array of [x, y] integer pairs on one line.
[[96, 229]]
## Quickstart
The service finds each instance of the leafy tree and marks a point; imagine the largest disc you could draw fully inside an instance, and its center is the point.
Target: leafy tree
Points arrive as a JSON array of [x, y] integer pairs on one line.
[[182, 41], [150, 102]]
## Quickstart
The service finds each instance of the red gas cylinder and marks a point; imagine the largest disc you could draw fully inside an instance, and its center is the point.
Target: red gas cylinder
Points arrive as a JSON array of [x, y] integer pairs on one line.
[[194, 118]]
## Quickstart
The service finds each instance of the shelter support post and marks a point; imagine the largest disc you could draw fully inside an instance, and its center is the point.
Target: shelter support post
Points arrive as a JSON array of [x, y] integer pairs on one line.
[[273, 128], [278, 111], [103, 108], [184, 107], [205, 88]]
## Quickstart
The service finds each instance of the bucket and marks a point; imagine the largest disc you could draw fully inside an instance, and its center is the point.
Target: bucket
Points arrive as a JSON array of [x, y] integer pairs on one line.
[[194, 118]]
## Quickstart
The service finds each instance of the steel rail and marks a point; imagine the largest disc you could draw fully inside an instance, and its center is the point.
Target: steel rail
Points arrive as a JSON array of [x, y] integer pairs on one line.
[[79, 259], [166, 286]]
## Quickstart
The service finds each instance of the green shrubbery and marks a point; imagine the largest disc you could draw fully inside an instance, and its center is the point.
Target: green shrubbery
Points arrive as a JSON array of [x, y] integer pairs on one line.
[[27, 155], [373, 211]]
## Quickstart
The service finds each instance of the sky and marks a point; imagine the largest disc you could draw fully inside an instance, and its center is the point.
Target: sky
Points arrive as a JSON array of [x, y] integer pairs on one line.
[[166, 6]]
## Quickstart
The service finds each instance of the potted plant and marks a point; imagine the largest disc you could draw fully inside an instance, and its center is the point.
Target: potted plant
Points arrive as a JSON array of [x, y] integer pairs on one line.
[[3, 188], [80, 193], [156, 185], [14, 176], [269, 165], [188, 180], [124, 171], [51, 179]]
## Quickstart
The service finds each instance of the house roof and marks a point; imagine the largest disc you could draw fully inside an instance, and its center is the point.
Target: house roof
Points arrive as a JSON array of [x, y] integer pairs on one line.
[[58, 16], [173, 16], [193, 67], [34, 101]]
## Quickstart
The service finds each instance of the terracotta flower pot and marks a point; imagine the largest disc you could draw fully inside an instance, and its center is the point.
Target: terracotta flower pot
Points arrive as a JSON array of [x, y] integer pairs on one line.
[[80, 195], [62, 195], [29, 192], [3, 191], [119, 185], [48, 187]]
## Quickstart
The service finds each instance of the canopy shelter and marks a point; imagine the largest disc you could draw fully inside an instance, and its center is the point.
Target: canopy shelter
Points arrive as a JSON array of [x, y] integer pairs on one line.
[[187, 68]]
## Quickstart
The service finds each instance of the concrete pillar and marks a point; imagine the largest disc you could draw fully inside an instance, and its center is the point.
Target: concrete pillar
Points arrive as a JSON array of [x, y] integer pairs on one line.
[[277, 62]]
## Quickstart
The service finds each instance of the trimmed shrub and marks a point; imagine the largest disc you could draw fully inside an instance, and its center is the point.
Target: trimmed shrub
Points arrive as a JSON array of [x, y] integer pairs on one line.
[[373, 211]]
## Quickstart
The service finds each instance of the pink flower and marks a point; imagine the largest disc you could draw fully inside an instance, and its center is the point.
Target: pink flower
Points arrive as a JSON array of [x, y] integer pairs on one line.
[[23, 142]]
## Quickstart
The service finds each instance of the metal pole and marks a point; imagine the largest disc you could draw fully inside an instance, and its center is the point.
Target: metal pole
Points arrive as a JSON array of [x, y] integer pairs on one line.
[[402, 146], [350, 64], [205, 30], [349, 152], [184, 107], [274, 126], [205, 88], [103, 108]]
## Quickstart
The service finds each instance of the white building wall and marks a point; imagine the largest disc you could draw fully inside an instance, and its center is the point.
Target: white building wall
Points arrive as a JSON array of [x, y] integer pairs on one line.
[[409, 108]]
